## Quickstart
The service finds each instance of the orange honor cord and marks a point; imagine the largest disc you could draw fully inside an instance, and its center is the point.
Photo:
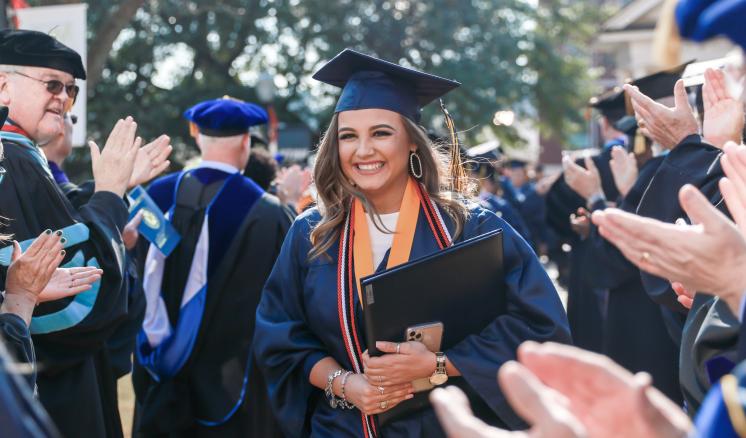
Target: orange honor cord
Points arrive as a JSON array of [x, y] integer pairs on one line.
[[401, 247]]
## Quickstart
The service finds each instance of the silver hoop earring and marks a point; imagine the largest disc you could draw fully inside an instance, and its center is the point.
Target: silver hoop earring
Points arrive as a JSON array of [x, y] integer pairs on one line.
[[418, 172]]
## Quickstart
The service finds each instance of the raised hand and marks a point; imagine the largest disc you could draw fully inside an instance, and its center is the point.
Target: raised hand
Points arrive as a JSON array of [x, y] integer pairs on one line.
[[624, 169], [707, 257], [151, 161], [67, 282], [112, 167], [683, 295], [292, 182], [585, 182], [130, 234], [608, 400], [30, 271], [733, 187], [723, 119], [664, 125]]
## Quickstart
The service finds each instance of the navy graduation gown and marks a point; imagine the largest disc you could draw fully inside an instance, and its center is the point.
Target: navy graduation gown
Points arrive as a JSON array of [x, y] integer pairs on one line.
[[504, 210], [635, 334], [74, 371], [298, 325], [219, 391]]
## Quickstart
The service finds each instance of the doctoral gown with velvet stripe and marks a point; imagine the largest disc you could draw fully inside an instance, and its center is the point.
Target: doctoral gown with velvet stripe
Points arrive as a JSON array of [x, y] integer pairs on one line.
[[75, 374], [635, 334], [298, 325], [243, 247], [710, 330]]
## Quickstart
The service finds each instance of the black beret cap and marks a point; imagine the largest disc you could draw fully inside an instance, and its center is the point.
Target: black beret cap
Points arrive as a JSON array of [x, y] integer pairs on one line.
[[37, 49]]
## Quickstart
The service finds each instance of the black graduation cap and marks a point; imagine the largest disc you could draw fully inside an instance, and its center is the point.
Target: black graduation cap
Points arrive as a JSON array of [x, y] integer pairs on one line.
[[37, 49], [660, 84], [613, 103], [3, 115], [369, 82], [610, 104]]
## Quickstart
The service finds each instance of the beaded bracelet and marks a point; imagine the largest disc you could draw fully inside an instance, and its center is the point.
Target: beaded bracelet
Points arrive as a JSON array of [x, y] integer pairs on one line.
[[343, 403]]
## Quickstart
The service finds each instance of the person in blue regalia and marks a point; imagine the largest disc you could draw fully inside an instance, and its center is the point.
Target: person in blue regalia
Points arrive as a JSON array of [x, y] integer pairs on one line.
[[376, 172], [195, 374], [484, 171]]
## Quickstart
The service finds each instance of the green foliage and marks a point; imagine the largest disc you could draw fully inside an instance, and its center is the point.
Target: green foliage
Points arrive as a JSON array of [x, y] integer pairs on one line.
[[508, 54]]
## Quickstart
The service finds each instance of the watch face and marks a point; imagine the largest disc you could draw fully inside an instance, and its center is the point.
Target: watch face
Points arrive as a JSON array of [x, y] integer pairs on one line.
[[438, 379]]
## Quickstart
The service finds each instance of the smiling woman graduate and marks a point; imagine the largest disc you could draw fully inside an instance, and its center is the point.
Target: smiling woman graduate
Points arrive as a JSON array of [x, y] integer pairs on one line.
[[376, 172]]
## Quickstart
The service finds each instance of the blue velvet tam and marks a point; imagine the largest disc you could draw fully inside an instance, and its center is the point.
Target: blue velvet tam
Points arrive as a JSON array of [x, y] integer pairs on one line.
[[700, 20], [369, 82], [225, 117]]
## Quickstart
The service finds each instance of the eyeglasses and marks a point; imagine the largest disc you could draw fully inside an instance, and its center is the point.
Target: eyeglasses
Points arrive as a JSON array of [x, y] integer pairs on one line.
[[55, 87]]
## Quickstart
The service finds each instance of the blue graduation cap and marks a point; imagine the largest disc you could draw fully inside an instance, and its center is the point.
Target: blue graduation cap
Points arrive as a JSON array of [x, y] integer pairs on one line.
[[3, 115], [516, 164], [225, 117], [700, 20], [369, 82]]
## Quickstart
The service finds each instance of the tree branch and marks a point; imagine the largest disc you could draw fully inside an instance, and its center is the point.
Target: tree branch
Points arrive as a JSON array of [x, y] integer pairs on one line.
[[105, 36]]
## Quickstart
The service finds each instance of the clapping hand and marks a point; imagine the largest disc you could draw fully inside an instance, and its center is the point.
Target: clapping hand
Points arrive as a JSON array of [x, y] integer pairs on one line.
[[624, 169], [664, 125], [706, 257], [67, 282], [723, 119], [608, 400], [585, 182], [112, 167], [546, 410], [130, 234], [30, 271], [733, 187], [292, 182], [151, 161]]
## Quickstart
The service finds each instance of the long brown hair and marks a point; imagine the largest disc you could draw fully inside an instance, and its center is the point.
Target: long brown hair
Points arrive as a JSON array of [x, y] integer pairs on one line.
[[335, 192]]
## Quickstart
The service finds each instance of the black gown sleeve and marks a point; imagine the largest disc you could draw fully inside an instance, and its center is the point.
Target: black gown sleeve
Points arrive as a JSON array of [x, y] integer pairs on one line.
[[33, 202]]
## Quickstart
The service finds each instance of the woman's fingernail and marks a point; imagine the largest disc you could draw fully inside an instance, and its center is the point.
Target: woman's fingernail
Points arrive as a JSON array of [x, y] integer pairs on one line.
[[58, 232], [63, 240], [410, 396], [62, 252], [47, 231]]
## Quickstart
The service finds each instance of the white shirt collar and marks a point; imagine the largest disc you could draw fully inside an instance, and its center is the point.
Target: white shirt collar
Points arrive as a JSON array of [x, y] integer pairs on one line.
[[217, 165]]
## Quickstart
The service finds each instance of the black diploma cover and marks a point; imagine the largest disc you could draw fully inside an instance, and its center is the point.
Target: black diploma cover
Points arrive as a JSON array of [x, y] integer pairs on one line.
[[461, 286]]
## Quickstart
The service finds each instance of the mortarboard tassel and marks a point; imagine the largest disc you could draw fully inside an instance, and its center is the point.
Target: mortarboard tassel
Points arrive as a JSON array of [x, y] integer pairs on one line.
[[458, 174]]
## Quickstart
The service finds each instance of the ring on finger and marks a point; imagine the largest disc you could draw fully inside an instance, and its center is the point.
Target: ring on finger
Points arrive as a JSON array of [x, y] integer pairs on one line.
[[380, 379], [645, 256], [384, 404], [381, 389]]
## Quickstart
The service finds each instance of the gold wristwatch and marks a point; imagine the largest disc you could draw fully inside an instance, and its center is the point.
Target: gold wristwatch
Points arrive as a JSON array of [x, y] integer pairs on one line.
[[440, 376]]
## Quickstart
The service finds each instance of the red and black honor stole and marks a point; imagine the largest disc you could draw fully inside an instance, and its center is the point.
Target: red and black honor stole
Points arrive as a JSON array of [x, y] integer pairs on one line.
[[347, 277]]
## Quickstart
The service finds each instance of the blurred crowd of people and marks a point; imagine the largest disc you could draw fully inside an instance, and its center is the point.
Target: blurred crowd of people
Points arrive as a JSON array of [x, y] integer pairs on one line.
[[227, 288]]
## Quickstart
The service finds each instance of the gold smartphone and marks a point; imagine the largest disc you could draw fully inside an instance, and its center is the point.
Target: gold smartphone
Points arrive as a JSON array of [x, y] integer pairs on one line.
[[430, 334]]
